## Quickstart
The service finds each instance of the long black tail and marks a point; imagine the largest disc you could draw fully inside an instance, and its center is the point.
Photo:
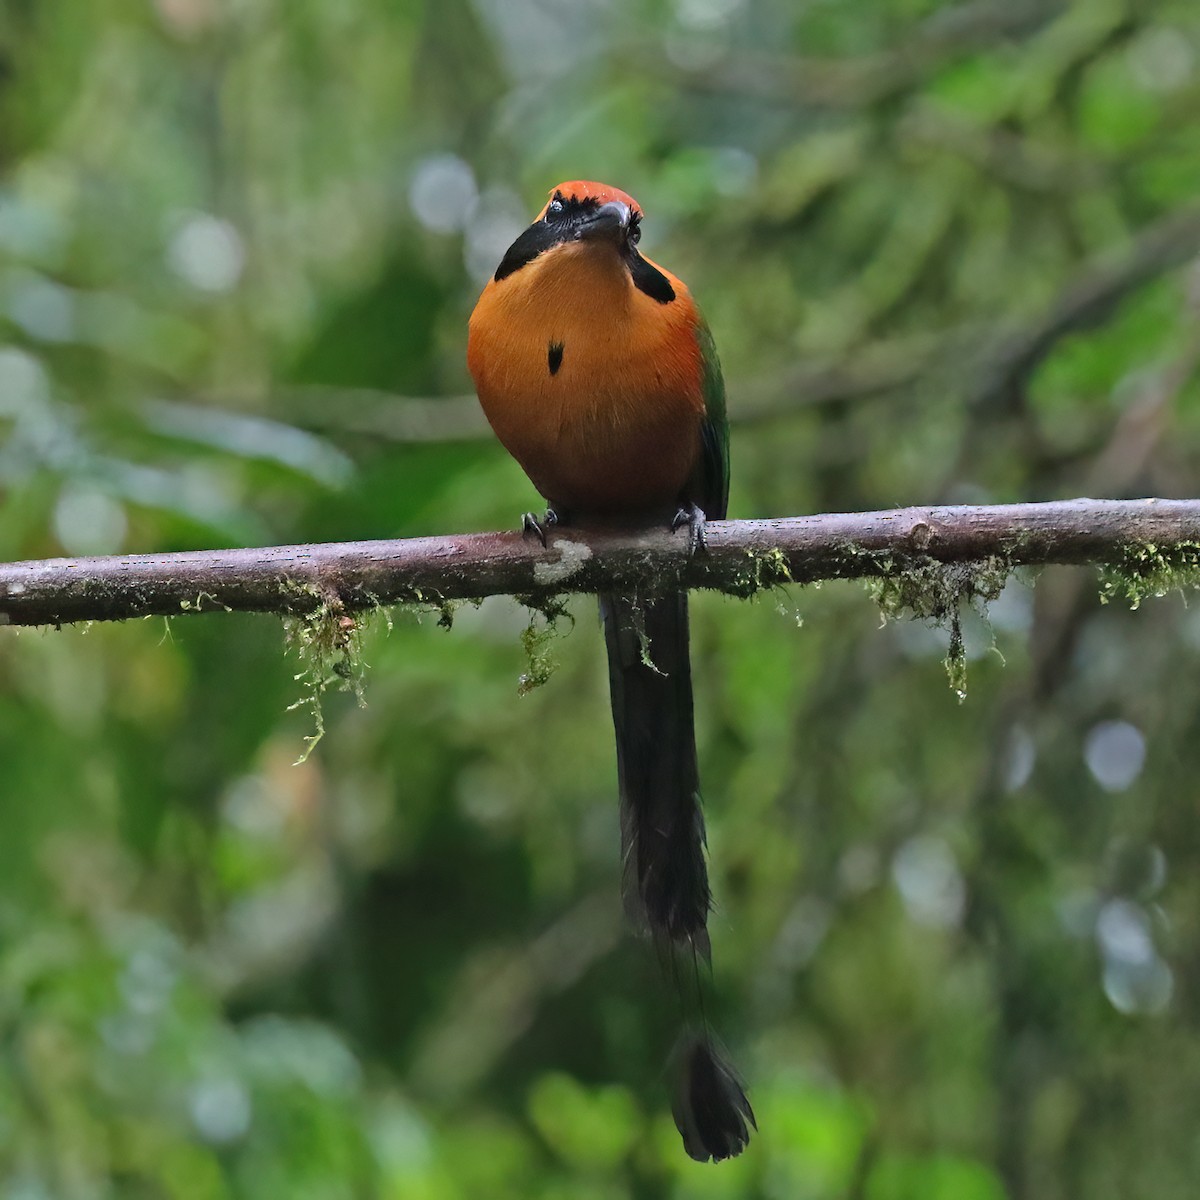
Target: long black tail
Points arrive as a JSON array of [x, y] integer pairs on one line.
[[663, 840], [662, 828], [662, 836]]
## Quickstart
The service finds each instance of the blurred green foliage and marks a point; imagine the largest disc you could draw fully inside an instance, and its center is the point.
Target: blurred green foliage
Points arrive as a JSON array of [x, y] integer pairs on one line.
[[956, 945]]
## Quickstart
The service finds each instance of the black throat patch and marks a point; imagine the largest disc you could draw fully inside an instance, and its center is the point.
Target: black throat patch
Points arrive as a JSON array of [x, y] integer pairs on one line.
[[649, 279]]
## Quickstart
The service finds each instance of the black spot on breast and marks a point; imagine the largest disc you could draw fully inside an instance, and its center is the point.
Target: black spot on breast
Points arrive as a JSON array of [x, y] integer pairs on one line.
[[650, 280], [554, 358]]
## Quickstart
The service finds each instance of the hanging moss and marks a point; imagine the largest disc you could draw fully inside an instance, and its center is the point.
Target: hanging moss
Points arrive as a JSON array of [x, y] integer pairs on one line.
[[1150, 570], [764, 569], [328, 642], [936, 592], [537, 639]]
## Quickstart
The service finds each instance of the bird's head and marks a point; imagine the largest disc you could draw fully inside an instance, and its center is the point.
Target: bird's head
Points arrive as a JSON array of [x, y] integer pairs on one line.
[[593, 214], [584, 211]]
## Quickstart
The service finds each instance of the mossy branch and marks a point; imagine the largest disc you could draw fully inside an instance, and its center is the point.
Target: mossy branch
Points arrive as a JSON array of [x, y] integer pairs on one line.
[[1141, 541]]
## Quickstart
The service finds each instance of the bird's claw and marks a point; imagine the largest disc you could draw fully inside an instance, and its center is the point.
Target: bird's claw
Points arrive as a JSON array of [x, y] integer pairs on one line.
[[530, 524], [692, 515]]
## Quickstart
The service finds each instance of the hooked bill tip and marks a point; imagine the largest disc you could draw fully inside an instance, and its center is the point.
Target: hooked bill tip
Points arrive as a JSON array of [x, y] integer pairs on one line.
[[608, 220]]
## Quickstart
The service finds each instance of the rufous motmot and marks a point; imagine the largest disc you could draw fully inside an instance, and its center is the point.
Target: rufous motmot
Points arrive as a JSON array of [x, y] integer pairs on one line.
[[599, 375]]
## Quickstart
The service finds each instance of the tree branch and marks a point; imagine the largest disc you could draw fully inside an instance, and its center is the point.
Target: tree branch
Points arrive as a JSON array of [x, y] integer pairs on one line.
[[863, 80], [742, 556], [1088, 300]]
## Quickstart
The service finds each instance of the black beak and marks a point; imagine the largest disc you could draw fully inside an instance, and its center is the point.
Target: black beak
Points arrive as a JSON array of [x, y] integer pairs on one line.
[[609, 221]]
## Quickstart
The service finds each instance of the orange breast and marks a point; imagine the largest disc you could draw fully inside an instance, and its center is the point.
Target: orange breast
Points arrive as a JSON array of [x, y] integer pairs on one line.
[[614, 427]]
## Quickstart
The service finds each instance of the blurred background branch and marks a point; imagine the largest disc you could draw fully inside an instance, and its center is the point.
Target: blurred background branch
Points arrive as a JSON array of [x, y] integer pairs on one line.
[[1001, 361]]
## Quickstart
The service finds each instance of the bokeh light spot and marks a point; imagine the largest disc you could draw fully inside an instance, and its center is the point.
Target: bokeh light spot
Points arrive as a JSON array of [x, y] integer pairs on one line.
[[220, 1110], [927, 876], [207, 252], [1115, 752], [443, 193], [89, 522]]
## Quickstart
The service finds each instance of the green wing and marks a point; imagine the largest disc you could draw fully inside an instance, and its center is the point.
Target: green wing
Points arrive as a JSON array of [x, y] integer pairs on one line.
[[709, 485]]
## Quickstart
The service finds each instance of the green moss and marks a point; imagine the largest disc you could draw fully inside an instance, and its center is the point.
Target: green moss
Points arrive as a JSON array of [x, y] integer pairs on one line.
[[328, 642], [537, 637], [204, 602], [445, 610], [764, 569], [927, 590], [908, 586], [638, 614], [541, 665], [1150, 570]]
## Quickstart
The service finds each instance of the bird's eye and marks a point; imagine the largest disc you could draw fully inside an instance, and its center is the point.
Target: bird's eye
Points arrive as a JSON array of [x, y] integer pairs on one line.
[[556, 207], [635, 230]]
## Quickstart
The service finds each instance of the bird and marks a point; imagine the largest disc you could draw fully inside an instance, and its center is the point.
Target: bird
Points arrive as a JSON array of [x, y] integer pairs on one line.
[[598, 374]]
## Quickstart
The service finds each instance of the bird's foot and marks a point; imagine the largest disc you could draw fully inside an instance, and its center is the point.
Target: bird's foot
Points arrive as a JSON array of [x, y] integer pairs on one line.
[[692, 515], [531, 524]]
